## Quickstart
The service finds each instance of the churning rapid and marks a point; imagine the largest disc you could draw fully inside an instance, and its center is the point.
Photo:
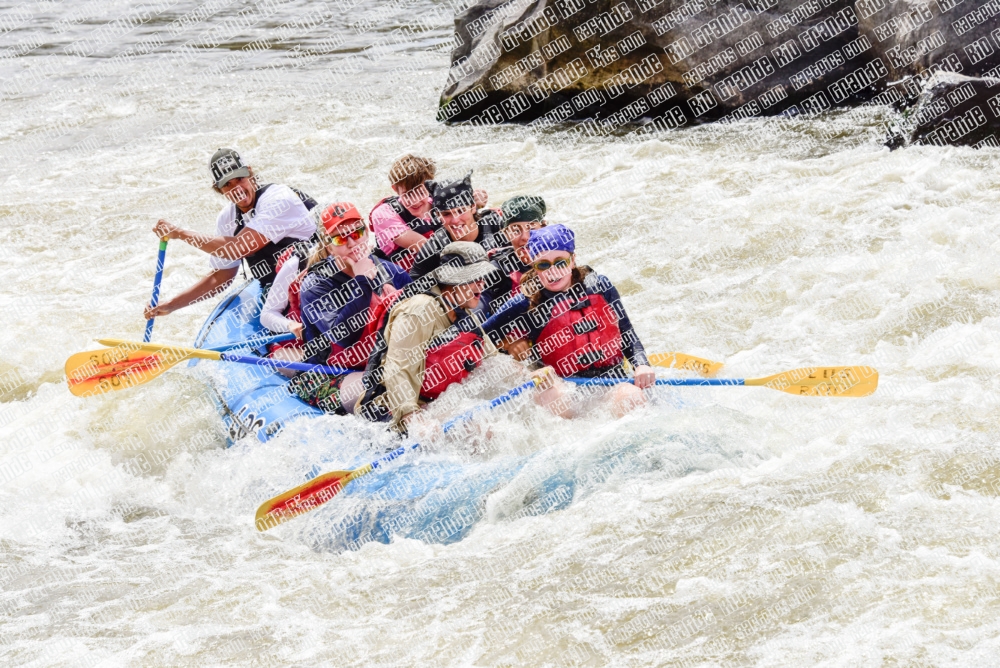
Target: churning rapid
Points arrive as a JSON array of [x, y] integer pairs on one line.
[[715, 526]]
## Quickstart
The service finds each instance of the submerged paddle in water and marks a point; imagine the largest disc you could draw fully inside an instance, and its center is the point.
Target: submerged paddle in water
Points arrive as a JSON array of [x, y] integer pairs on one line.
[[833, 381], [314, 493]]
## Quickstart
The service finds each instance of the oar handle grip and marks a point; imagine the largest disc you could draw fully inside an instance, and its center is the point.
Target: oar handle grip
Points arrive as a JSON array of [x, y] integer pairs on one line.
[[281, 364], [660, 381]]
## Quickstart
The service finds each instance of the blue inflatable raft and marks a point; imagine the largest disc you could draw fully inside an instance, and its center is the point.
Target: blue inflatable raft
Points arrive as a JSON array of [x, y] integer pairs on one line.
[[251, 399], [435, 497]]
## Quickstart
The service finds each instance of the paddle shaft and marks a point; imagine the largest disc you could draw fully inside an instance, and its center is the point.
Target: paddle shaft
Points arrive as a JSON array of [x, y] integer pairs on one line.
[[825, 381], [660, 381], [160, 259], [455, 421], [281, 364], [127, 364], [253, 344], [173, 354]]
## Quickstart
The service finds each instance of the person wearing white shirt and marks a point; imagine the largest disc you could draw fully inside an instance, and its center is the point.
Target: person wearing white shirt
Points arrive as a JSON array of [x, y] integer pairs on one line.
[[257, 227], [282, 310], [273, 314]]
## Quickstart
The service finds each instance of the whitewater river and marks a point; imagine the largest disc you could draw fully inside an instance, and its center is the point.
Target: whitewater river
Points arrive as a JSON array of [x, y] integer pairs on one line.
[[723, 526]]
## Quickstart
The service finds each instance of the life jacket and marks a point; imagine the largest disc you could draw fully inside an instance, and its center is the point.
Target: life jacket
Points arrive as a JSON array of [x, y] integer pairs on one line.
[[515, 279], [449, 358], [450, 362], [262, 263], [506, 260], [294, 309], [581, 336], [355, 356], [402, 256]]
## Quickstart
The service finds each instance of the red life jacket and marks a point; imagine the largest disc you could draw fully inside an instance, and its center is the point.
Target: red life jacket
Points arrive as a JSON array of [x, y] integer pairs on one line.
[[355, 356], [581, 336], [515, 279], [402, 256], [450, 362], [445, 363], [294, 309]]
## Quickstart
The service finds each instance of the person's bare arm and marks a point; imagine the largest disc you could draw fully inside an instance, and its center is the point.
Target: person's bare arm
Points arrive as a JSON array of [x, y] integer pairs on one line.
[[227, 248], [211, 285]]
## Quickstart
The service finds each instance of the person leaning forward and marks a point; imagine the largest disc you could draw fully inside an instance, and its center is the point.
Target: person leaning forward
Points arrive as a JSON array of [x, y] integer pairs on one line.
[[258, 224], [430, 341]]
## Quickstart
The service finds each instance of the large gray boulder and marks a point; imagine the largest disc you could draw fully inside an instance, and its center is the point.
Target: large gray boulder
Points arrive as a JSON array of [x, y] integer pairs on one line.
[[953, 110], [673, 62], [918, 41]]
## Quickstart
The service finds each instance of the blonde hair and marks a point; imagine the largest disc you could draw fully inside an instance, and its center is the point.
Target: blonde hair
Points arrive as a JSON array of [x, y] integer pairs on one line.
[[318, 253], [410, 171]]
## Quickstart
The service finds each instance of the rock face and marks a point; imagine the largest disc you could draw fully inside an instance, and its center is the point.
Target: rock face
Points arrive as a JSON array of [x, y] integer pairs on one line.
[[918, 39], [953, 110], [668, 63]]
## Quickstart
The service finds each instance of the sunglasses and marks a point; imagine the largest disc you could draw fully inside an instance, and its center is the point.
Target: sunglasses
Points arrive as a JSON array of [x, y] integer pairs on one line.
[[341, 239], [545, 265]]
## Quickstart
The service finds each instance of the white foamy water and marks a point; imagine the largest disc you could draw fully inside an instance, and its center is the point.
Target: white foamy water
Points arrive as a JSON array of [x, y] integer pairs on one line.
[[725, 526]]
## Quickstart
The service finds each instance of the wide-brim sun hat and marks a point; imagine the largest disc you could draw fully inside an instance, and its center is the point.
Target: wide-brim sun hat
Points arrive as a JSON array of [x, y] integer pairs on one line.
[[463, 262]]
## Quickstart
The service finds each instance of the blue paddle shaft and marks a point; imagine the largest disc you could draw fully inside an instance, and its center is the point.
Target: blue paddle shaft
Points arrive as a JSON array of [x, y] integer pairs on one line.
[[160, 258], [661, 381], [255, 343], [499, 401], [450, 424], [281, 364]]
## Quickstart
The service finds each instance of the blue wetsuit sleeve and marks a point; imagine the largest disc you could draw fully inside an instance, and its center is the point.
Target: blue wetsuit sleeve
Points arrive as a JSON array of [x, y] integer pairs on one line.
[[510, 318], [631, 345]]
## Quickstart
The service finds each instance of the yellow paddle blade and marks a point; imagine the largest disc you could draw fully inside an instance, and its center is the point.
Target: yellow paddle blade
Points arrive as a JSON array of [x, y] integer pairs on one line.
[[705, 367], [824, 381], [305, 497], [111, 369], [180, 352]]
